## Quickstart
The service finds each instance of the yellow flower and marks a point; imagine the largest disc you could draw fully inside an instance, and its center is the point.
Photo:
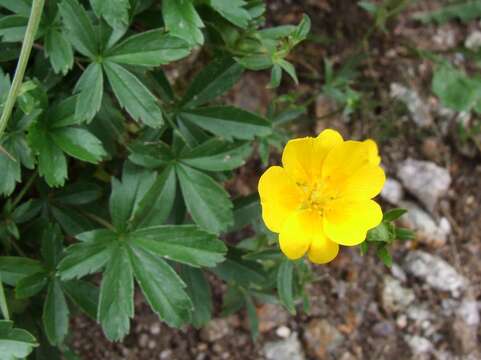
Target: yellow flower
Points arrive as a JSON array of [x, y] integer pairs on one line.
[[322, 196]]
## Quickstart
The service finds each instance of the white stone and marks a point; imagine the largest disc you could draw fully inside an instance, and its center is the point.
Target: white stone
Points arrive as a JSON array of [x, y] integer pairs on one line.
[[288, 349], [392, 191], [435, 272], [395, 297], [425, 180], [473, 41], [283, 332], [418, 108], [419, 344], [427, 230]]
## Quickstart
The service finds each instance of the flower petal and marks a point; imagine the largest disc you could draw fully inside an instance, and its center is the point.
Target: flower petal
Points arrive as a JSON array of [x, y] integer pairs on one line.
[[298, 232], [347, 222], [303, 158], [347, 158], [373, 153], [364, 184], [279, 197], [322, 250]]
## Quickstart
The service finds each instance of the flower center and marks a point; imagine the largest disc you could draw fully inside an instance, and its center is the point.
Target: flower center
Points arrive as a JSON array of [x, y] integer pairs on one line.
[[316, 197]]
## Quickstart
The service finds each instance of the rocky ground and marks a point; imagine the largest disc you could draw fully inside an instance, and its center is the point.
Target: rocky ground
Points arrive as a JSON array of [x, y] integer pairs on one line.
[[427, 306]]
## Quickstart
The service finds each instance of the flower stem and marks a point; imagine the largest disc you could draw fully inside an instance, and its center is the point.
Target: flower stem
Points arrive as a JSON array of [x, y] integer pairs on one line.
[[33, 22]]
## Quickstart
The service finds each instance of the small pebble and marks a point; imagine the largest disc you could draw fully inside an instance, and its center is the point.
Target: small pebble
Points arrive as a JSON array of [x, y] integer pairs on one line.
[[283, 332]]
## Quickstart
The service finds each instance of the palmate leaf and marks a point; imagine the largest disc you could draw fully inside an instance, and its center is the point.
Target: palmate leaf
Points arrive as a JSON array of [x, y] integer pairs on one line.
[[162, 287], [207, 201], [90, 88], [116, 13], [214, 80], [127, 194], [285, 277], [199, 291], [54, 134], [182, 20], [116, 301], [15, 268], [228, 122], [79, 28], [55, 313], [233, 11], [150, 48], [183, 243], [217, 155], [134, 96], [88, 256], [15, 343], [59, 51]]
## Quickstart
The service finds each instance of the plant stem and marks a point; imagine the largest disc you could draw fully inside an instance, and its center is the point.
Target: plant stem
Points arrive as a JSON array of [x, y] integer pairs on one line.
[[33, 22], [24, 189]]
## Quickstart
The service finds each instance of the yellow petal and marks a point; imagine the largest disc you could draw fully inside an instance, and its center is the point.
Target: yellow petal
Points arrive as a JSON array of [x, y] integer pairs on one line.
[[347, 222], [298, 231], [364, 184], [279, 197], [346, 159], [303, 158], [373, 152], [322, 250]]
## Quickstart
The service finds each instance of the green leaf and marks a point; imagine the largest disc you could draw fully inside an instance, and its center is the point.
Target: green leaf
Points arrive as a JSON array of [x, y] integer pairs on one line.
[[233, 11], [61, 115], [3, 301], [217, 155], [382, 253], [31, 285], [455, 89], [150, 48], [198, 289], [228, 122], [71, 220], [285, 277], [463, 10], [52, 246], [84, 295], [156, 205], [79, 143], [15, 268], [116, 302], [276, 76], [55, 314], [289, 68], [79, 28], [88, 256], [246, 211], [213, 81], [79, 193], [393, 214], [150, 155], [182, 20], [184, 243], [162, 287], [116, 13], [90, 89], [255, 62], [207, 201], [127, 194], [12, 28], [252, 316], [240, 271], [20, 7], [15, 343], [381, 233], [59, 51], [19, 153], [133, 95], [52, 163]]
